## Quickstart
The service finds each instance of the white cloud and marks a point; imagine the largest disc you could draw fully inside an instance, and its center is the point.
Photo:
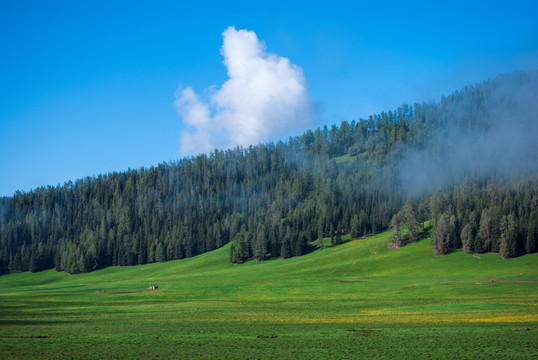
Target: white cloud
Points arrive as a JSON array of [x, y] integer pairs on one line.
[[264, 97]]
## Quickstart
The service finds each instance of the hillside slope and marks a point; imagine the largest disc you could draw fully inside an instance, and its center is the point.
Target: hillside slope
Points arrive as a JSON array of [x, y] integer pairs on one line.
[[271, 200], [366, 260], [356, 299]]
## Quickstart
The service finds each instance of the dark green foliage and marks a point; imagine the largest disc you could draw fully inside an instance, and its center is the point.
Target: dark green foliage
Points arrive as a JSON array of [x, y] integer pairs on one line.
[[274, 200], [397, 223], [441, 236], [508, 244], [502, 231], [467, 238], [406, 218], [410, 215], [532, 233]]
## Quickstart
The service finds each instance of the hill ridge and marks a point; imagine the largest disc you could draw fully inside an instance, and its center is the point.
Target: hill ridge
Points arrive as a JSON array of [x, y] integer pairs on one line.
[[273, 200]]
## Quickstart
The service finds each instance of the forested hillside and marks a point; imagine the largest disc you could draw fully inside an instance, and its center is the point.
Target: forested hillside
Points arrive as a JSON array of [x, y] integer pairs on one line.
[[468, 163]]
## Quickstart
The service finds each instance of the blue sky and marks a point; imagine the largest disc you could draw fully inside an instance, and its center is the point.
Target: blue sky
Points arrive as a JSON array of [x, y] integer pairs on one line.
[[88, 87]]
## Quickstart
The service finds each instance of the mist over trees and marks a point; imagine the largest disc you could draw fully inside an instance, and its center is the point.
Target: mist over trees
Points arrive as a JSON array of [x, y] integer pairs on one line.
[[482, 215], [468, 164]]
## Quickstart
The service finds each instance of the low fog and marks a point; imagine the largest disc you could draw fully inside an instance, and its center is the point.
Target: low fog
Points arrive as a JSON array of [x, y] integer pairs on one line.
[[497, 139]]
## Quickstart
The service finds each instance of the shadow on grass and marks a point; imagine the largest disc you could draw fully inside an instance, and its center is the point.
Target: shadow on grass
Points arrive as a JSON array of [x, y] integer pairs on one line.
[[314, 246], [21, 322], [422, 234]]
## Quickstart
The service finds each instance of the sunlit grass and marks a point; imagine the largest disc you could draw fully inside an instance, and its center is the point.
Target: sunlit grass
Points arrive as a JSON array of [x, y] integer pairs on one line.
[[355, 300]]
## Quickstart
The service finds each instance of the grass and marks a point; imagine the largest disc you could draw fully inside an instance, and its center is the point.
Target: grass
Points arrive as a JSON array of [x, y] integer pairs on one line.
[[347, 157], [356, 300], [343, 158]]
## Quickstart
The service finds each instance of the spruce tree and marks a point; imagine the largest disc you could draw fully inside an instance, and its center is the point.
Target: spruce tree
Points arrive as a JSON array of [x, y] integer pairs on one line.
[[440, 235], [508, 243], [532, 234]]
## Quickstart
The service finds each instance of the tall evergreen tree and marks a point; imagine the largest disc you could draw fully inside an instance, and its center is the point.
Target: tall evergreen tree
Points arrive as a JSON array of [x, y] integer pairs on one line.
[[508, 244]]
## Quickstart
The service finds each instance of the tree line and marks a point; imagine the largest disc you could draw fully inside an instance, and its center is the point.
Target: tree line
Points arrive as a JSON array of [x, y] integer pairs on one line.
[[276, 199], [500, 217]]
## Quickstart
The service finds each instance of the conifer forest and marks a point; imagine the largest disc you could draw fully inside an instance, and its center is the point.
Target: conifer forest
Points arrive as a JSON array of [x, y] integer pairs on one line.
[[466, 165]]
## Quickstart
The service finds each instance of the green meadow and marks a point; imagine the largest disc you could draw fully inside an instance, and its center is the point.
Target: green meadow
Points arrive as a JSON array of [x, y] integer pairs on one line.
[[356, 300]]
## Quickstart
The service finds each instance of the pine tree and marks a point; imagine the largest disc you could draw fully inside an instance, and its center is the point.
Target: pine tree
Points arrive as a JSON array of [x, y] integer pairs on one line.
[[532, 234], [453, 239], [484, 231], [332, 233], [320, 234], [355, 226], [260, 247], [440, 236], [410, 216], [396, 224], [467, 238], [508, 244], [160, 255]]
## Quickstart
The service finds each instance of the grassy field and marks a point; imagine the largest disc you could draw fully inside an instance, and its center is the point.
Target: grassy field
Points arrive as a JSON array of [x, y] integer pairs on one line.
[[356, 300]]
